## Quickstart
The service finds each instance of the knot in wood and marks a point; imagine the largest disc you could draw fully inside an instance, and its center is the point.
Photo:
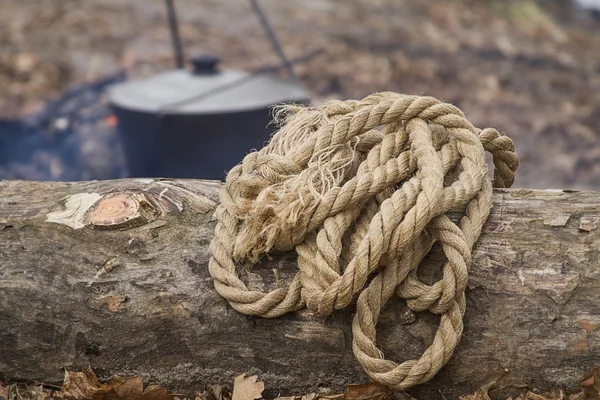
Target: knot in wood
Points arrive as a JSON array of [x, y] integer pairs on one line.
[[122, 210]]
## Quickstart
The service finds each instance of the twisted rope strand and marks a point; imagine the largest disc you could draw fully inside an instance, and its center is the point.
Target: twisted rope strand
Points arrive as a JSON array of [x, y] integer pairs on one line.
[[361, 191]]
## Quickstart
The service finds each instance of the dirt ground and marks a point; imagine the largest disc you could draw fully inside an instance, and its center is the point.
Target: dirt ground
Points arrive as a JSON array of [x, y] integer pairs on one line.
[[530, 69]]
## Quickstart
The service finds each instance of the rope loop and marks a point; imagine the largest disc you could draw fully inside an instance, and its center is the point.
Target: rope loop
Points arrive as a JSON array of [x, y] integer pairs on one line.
[[362, 190]]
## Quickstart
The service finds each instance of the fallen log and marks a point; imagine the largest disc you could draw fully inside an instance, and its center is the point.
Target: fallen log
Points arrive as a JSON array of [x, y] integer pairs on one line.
[[113, 274]]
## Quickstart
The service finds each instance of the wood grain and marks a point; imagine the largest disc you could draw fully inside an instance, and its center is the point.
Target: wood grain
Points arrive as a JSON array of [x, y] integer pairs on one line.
[[132, 295]]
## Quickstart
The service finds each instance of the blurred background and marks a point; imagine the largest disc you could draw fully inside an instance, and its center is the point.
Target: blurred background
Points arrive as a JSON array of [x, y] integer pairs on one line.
[[528, 68]]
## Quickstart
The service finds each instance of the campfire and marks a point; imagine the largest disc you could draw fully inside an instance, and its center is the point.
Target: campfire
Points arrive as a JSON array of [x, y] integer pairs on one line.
[[73, 138]]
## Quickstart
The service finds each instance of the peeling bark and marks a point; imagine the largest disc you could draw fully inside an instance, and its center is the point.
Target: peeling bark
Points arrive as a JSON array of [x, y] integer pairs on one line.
[[113, 274]]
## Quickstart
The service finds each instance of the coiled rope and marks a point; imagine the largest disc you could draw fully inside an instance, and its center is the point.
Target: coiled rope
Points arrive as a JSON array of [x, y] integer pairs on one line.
[[361, 191]]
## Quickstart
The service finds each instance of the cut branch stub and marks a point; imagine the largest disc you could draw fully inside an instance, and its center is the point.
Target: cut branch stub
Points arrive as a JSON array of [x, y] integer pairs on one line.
[[121, 211]]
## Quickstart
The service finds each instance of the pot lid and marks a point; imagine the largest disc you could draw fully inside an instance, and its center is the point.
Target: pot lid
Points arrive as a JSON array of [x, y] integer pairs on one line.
[[204, 90]]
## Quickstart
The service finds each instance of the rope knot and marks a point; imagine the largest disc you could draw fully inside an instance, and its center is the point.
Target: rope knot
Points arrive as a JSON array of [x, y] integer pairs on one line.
[[362, 190]]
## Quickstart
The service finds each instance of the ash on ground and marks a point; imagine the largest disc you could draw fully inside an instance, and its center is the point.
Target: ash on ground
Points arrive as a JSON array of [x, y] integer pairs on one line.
[[73, 138]]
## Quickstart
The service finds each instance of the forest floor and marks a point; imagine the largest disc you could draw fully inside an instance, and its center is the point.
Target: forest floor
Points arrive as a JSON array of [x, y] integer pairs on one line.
[[84, 385], [532, 72]]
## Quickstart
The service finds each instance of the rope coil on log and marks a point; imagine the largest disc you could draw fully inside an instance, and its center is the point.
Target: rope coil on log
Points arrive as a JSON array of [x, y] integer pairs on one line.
[[361, 191]]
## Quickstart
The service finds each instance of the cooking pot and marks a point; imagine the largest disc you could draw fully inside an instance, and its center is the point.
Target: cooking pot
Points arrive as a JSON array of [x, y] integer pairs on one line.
[[198, 123]]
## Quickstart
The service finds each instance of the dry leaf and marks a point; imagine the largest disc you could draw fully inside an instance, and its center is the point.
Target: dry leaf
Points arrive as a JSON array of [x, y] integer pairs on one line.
[[120, 389], [131, 389], [247, 388], [43, 393], [590, 384], [367, 391], [79, 385], [156, 393], [557, 394], [534, 396], [479, 394], [3, 392], [312, 396], [214, 392], [84, 386], [25, 392], [127, 388], [340, 396]]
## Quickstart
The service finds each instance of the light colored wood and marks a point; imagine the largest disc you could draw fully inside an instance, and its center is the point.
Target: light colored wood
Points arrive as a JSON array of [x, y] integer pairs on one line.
[[114, 274]]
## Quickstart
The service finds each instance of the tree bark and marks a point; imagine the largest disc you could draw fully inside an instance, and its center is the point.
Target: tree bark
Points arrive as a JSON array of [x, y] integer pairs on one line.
[[114, 275]]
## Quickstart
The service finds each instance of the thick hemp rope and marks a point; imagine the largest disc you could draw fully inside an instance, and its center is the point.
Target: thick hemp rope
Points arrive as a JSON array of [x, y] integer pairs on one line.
[[361, 190]]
